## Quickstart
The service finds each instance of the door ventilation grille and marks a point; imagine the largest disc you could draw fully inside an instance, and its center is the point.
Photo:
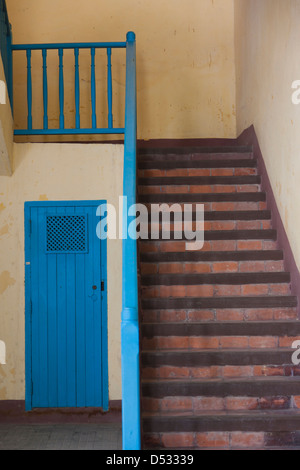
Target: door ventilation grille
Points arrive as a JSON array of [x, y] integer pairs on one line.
[[66, 234]]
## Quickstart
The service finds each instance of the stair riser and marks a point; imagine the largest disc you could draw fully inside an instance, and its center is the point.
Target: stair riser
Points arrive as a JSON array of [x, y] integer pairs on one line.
[[215, 403], [217, 267], [215, 290], [171, 189], [223, 440], [214, 245], [217, 372], [219, 314]]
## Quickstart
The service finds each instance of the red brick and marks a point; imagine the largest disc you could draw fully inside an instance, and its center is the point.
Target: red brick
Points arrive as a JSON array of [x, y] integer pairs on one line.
[[198, 172], [200, 291], [279, 289], [274, 403], [150, 373], [287, 341], [274, 266], [222, 206], [208, 404], [171, 246], [223, 245], [152, 440], [247, 439], [171, 189], [148, 268], [151, 173], [249, 245], [248, 188], [246, 206], [201, 315], [200, 189], [296, 402], [172, 315], [268, 371], [252, 266], [172, 342], [255, 289], [150, 404], [229, 314], [149, 292], [263, 342], [167, 268], [269, 245], [286, 314], [177, 440], [259, 314], [171, 372], [237, 371], [206, 372], [197, 268], [225, 189], [224, 290], [148, 247], [248, 224], [227, 267], [241, 403], [222, 171], [234, 342], [177, 172], [212, 439], [223, 225], [172, 291], [204, 342], [245, 171], [177, 404]]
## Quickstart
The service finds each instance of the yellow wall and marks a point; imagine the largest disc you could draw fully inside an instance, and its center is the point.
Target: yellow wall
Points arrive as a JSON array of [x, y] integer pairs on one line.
[[267, 62], [6, 130], [185, 61], [53, 172]]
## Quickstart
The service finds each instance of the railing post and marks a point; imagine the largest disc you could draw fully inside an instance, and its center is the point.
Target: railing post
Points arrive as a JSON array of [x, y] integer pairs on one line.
[[29, 90], [129, 324]]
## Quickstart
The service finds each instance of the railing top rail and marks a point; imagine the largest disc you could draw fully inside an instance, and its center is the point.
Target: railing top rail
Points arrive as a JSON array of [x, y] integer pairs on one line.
[[77, 45]]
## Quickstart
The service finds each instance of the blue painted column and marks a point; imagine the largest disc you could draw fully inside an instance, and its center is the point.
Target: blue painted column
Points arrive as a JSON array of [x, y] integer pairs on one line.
[[129, 325]]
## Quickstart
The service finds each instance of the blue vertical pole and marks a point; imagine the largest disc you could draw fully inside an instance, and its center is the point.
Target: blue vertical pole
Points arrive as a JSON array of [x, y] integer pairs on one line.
[[61, 89], [29, 90], [45, 88], [131, 434], [93, 89], [77, 92], [109, 89]]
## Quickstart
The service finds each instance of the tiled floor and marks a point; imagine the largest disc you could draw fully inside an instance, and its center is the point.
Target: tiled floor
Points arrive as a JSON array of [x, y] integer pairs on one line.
[[60, 436]]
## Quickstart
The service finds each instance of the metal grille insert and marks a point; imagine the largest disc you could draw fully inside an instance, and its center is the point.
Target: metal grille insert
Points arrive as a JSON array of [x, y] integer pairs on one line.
[[66, 234]]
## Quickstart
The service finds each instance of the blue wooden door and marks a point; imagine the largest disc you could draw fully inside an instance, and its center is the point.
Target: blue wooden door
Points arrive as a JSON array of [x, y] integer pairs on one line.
[[66, 312]]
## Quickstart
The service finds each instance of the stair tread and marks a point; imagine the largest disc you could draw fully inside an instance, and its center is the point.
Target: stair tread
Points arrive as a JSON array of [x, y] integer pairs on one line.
[[220, 328], [199, 180], [175, 163], [163, 151], [203, 197], [261, 301], [215, 278]]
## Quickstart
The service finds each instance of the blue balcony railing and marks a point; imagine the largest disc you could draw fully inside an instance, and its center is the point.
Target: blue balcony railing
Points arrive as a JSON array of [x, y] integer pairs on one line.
[[129, 314]]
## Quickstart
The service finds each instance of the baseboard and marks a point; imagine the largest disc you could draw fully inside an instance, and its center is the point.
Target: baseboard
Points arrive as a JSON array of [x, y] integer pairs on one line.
[[249, 137], [13, 411]]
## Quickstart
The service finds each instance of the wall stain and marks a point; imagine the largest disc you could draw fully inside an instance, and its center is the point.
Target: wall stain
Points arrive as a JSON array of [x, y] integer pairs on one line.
[[43, 197], [4, 230], [6, 281], [2, 207]]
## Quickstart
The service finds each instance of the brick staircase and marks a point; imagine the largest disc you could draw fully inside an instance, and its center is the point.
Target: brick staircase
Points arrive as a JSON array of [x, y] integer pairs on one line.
[[217, 325]]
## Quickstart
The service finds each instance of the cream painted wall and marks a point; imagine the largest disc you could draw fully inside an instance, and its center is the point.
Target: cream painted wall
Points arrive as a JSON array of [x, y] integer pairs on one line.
[[185, 61], [53, 172], [267, 38], [6, 130]]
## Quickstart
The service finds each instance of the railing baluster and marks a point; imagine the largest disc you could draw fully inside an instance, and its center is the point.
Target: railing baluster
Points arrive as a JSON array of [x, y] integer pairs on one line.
[[61, 89], [109, 89], [29, 90], [77, 92], [93, 89], [45, 88]]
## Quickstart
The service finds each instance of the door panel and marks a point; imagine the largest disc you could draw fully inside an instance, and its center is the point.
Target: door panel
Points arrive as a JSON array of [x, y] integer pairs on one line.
[[67, 348]]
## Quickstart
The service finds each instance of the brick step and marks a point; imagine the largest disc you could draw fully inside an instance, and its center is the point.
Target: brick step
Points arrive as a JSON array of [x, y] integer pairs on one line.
[[199, 402], [202, 197], [241, 328], [215, 279], [179, 246], [214, 267], [171, 372], [209, 235], [211, 256], [233, 440], [214, 290], [192, 189], [219, 315], [217, 357], [262, 421], [177, 162], [200, 180], [236, 151], [196, 303], [195, 170]]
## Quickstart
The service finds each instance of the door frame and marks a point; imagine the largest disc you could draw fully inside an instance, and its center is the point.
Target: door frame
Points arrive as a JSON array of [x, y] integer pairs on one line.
[[104, 308]]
